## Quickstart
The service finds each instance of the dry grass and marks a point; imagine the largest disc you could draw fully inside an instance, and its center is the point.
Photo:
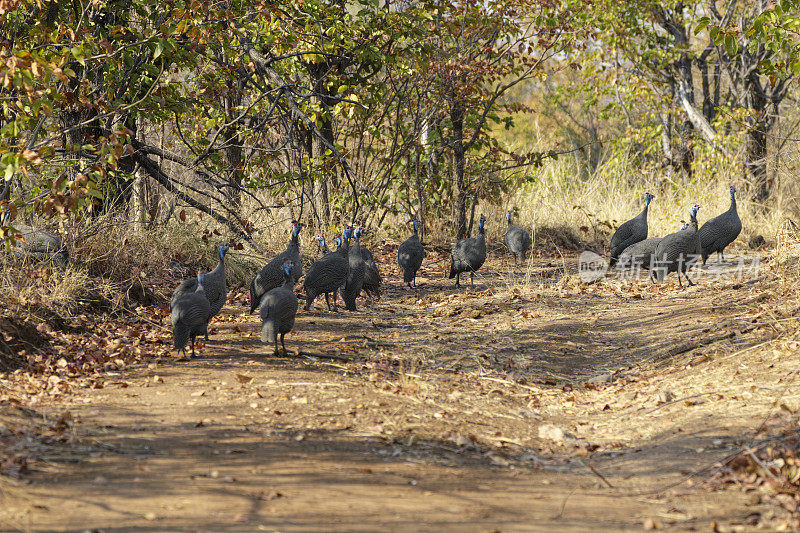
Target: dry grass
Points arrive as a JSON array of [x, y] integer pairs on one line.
[[595, 207]]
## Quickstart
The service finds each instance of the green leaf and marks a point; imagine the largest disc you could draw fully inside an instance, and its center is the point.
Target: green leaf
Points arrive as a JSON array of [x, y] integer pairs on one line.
[[702, 25], [731, 46], [758, 26]]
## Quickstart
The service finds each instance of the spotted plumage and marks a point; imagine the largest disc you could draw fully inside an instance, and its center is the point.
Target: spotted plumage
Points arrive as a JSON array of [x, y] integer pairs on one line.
[[215, 284], [716, 234], [271, 275], [468, 255], [677, 251], [410, 255], [278, 308], [631, 232], [517, 240], [328, 274], [189, 314]]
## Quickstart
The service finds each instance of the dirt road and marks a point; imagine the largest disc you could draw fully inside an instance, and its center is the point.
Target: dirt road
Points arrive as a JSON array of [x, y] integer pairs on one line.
[[516, 406]]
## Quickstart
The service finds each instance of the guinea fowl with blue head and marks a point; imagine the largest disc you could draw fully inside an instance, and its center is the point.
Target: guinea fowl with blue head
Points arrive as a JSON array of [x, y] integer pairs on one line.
[[717, 233], [328, 274], [271, 275], [468, 255], [278, 309], [215, 285], [517, 240], [630, 232], [640, 254], [322, 247], [189, 314], [355, 275], [678, 251], [410, 255]]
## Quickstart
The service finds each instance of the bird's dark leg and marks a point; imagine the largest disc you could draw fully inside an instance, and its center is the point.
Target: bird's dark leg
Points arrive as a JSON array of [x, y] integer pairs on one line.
[[458, 276], [283, 344], [184, 349], [328, 300], [335, 296], [472, 279], [687, 278]]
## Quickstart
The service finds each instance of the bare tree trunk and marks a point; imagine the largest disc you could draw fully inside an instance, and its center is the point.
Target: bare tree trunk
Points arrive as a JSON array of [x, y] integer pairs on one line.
[[320, 192], [756, 162], [419, 187], [234, 154], [139, 200], [666, 136], [457, 191]]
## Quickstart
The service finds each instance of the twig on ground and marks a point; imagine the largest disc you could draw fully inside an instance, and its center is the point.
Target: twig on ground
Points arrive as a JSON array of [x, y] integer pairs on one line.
[[595, 472]]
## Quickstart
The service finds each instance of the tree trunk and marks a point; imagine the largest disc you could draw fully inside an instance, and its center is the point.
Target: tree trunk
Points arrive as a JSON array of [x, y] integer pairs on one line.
[[756, 162], [320, 182], [458, 194], [233, 152], [419, 187], [320, 166], [756, 145], [666, 136], [138, 200]]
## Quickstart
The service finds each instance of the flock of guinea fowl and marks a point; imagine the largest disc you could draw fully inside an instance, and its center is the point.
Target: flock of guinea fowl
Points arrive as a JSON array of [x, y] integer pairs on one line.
[[351, 268]]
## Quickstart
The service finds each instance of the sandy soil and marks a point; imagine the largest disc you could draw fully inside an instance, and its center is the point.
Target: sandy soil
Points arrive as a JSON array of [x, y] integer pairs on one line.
[[525, 404]]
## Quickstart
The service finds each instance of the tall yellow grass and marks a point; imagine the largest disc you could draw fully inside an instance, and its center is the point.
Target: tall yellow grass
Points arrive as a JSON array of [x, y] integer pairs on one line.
[[558, 199]]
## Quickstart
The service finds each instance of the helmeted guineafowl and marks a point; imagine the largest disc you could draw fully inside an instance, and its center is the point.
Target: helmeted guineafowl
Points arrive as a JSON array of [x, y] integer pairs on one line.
[[215, 285], [327, 274], [40, 245], [676, 251], [271, 275], [517, 240], [190, 314], [640, 255], [410, 255], [720, 231], [630, 232], [278, 308], [468, 255], [322, 247], [372, 276], [355, 275]]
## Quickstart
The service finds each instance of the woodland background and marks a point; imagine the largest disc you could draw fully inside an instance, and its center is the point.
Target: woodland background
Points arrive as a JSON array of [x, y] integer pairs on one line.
[[237, 116]]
